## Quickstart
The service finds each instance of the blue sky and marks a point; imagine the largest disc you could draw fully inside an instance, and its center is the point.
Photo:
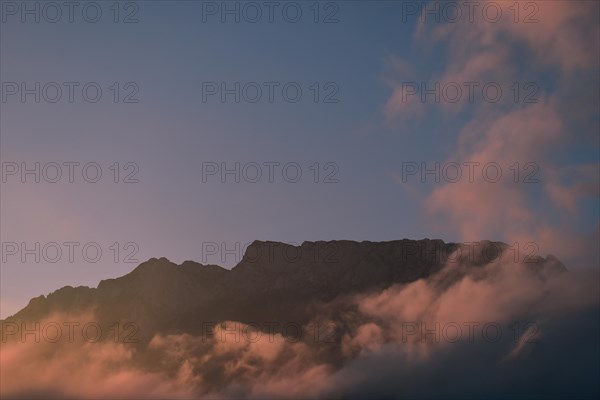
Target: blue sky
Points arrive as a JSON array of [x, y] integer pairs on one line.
[[367, 134]]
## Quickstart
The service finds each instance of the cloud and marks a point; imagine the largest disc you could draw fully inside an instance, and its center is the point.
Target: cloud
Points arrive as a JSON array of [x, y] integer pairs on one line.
[[395, 327], [559, 44], [557, 34], [402, 341], [77, 368], [472, 208], [544, 323]]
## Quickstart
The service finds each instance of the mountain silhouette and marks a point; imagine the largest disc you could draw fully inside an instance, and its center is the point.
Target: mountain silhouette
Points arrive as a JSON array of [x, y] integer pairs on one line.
[[274, 281]]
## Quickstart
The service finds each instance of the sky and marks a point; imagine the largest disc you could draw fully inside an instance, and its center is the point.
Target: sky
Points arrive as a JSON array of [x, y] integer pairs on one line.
[[161, 98]]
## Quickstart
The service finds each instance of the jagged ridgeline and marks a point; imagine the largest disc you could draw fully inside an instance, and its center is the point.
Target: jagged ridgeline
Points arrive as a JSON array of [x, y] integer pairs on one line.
[[273, 282]]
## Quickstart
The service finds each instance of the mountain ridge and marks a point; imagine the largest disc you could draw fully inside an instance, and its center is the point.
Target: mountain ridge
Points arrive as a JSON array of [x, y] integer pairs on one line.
[[274, 281]]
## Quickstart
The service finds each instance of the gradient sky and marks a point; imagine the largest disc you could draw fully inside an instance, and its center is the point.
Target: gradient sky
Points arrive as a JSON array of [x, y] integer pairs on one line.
[[373, 49]]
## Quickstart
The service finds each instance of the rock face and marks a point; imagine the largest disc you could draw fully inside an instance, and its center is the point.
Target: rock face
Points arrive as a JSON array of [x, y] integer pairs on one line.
[[273, 282]]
